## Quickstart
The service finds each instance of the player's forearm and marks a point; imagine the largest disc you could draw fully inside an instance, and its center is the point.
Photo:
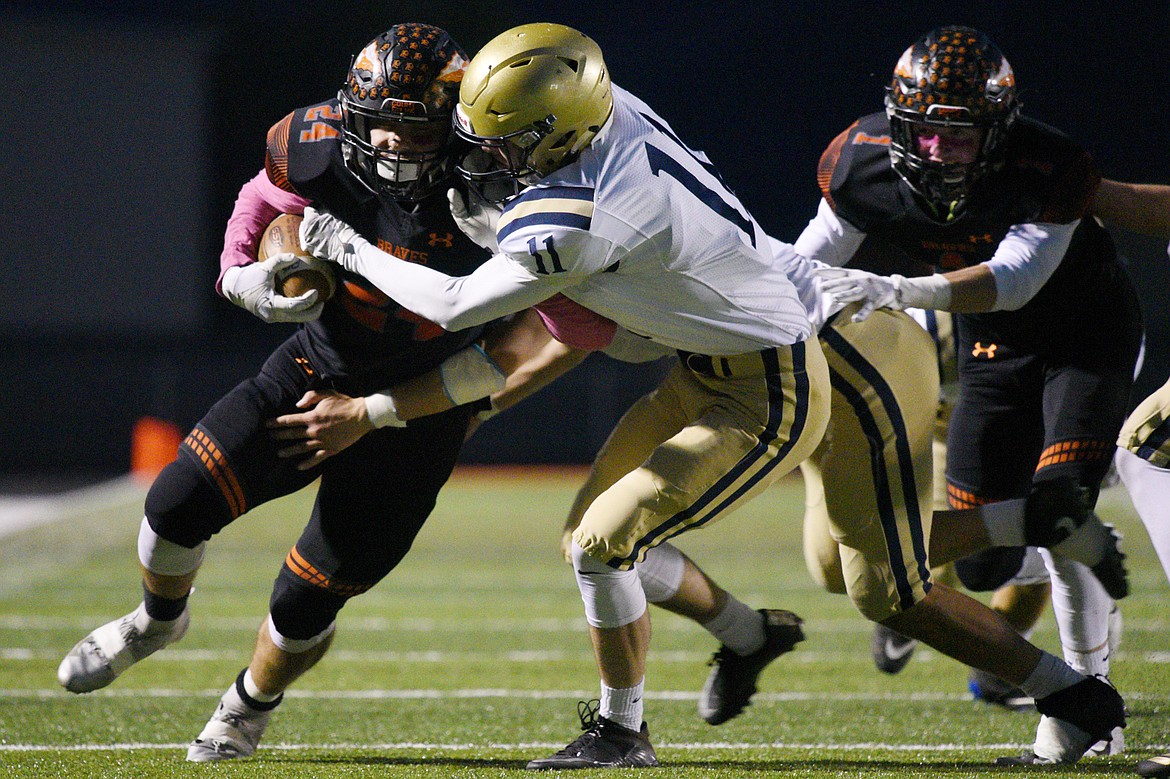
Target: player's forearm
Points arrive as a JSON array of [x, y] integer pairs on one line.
[[1142, 208], [258, 203], [972, 290], [453, 303], [517, 358], [550, 363], [1022, 264]]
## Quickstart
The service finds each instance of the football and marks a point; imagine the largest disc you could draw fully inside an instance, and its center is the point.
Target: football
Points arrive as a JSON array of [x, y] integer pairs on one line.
[[282, 236]]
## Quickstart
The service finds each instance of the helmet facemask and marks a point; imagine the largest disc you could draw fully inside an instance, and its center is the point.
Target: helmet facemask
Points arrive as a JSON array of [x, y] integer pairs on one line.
[[497, 168], [395, 173]]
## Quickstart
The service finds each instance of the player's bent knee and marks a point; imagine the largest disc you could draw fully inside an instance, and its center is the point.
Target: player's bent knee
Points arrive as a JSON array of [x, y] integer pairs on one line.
[[301, 612], [295, 646], [183, 508], [661, 572], [612, 597], [166, 558], [874, 609], [877, 601]]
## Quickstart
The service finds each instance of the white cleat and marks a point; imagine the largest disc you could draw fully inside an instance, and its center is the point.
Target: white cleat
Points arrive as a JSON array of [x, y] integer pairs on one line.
[[102, 656], [234, 730]]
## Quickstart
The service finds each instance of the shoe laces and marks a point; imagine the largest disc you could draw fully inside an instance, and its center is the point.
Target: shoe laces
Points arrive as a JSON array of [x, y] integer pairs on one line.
[[591, 723], [128, 630], [587, 711]]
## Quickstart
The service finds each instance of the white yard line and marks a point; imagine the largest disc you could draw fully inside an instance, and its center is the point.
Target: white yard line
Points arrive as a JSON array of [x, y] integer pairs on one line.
[[530, 745], [497, 693], [20, 512]]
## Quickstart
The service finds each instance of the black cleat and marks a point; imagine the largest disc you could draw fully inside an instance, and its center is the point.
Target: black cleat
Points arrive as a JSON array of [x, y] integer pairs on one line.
[[604, 744], [1155, 766], [1074, 719], [890, 649], [989, 688], [732, 681], [1091, 704]]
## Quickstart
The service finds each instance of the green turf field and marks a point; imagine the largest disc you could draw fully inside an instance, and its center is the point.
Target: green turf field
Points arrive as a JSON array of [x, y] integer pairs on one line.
[[470, 658]]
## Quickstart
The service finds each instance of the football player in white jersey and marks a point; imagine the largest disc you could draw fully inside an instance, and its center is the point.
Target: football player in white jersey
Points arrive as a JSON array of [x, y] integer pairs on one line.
[[619, 216]]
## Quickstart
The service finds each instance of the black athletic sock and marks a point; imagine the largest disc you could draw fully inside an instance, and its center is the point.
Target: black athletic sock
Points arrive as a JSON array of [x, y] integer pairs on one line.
[[163, 609], [248, 699]]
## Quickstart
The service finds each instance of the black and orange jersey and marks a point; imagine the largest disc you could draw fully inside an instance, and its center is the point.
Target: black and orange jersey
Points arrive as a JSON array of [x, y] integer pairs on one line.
[[1045, 177], [363, 340]]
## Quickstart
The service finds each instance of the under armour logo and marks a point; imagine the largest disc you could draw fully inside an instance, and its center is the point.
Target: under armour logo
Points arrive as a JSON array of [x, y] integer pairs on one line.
[[446, 240], [984, 351], [304, 365]]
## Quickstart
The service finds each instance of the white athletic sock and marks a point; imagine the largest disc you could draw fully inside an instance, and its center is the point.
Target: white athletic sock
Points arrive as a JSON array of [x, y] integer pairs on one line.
[[1050, 675], [148, 626], [623, 705], [738, 626], [1081, 607], [254, 691]]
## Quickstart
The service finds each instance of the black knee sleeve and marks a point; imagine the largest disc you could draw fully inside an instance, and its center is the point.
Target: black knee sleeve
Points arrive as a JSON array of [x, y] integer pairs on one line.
[[300, 610], [1055, 508], [990, 569], [182, 507]]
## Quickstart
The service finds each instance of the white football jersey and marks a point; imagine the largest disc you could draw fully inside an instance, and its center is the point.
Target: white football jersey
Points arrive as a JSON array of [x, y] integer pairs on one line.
[[641, 229]]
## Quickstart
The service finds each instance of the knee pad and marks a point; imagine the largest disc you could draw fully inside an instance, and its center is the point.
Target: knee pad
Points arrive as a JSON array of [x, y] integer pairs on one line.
[[164, 557], [612, 598], [182, 507], [661, 573], [990, 569], [301, 612], [295, 646], [1054, 508]]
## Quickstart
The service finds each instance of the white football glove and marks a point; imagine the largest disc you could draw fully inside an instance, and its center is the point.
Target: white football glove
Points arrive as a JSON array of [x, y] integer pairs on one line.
[[476, 217], [328, 238], [848, 285], [253, 288]]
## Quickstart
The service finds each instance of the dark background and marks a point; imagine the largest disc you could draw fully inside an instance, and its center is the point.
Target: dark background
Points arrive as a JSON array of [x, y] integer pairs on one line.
[[129, 128]]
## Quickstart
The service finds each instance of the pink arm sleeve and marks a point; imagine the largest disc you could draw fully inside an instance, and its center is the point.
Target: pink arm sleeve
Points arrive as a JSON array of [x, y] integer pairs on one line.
[[574, 325], [259, 202]]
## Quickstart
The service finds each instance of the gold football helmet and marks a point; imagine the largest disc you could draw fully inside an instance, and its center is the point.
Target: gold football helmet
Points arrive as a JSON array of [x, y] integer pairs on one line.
[[533, 97]]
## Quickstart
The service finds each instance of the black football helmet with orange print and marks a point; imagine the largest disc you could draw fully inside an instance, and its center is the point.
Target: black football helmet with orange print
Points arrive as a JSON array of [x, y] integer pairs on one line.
[[407, 80], [952, 77]]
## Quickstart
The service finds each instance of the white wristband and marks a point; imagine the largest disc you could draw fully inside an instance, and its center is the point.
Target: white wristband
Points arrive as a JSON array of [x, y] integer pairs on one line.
[[381, 411], [932, 291], [470, 375]]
